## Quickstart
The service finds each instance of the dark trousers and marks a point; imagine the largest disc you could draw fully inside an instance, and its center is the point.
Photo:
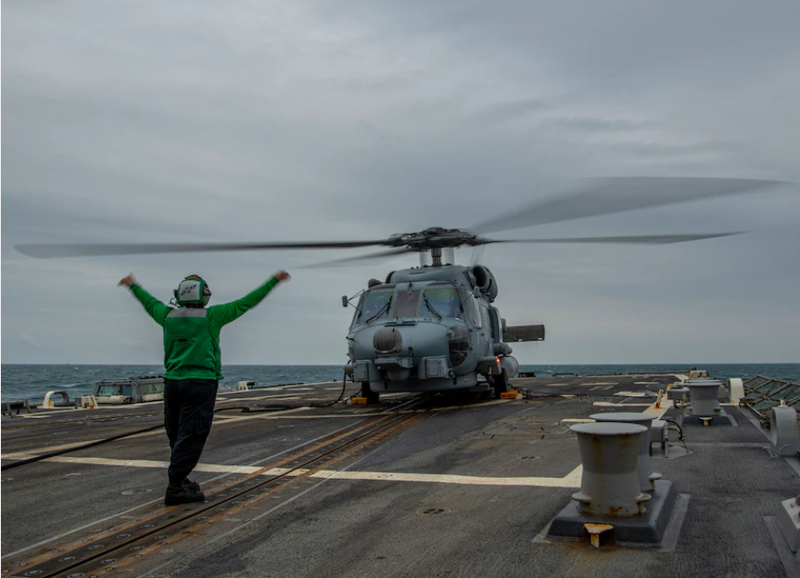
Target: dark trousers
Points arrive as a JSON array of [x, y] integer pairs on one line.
[[188, 411]]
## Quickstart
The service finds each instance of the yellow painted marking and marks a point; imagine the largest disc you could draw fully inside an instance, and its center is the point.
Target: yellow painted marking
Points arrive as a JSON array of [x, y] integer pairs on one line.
[[645, 383], [571, 480], [577, 420], [557, 384]]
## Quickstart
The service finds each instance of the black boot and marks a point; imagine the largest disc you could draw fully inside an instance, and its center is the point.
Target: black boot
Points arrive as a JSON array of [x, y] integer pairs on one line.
[[193, 486], [178, 493]]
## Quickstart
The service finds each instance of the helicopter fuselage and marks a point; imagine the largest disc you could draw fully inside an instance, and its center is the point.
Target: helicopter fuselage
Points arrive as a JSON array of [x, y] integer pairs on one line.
[[429, 329]]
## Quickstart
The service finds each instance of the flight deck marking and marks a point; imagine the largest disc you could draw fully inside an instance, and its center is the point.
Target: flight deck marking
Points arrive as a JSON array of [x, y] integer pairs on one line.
[[121, 564], [29, 454], [125, 513], [359, 430], [622, 403], [571, 480], [221, 419]]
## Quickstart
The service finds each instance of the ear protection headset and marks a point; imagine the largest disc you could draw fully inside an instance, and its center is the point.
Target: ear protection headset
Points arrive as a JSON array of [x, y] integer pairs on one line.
[[193, 291]]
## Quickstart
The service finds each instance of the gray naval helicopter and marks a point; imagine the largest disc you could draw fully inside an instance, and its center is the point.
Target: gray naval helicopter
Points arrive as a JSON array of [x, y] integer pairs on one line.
[[434, 328]]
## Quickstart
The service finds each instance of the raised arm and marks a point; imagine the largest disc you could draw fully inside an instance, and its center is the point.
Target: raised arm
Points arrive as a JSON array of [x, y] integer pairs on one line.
[[228, 312], [155, 308]]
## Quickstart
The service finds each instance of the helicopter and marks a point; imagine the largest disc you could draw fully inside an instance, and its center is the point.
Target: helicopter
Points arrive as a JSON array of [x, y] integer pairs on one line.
[[434, 328]]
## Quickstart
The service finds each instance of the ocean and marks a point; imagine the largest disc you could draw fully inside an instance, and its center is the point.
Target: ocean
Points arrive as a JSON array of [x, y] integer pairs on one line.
[[32, 382]]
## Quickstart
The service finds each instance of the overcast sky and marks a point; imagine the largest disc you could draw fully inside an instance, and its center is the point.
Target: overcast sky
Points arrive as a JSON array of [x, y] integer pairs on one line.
[[345, 120]]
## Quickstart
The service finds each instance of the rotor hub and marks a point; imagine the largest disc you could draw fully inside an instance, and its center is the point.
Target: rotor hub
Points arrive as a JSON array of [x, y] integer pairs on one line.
[[433, 238]]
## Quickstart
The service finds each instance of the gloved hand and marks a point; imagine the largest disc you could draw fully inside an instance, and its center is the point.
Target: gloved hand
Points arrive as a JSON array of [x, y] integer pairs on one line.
[[127, 281]]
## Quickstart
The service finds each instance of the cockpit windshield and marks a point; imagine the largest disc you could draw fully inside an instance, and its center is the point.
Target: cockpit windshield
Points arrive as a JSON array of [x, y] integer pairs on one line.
[[442, 302], [376, 304], [439, 302]]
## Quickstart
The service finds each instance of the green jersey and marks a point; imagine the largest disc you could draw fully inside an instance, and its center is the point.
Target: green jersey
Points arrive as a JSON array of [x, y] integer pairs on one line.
[[191, 335]]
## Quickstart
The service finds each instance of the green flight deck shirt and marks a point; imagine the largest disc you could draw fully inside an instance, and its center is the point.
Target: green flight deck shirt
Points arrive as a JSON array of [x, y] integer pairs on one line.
[[191, 335]]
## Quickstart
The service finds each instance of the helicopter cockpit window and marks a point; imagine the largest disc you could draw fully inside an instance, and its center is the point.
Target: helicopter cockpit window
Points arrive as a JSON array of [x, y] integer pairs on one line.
[[442, 302], [376, 304], [407, 303]]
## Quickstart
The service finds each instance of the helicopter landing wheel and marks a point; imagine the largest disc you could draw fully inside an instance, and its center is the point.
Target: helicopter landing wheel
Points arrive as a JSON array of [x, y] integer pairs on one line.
[[500, 383], [366, 392]]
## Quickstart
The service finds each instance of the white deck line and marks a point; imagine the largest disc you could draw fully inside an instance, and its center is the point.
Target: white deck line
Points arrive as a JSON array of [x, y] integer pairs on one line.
[[571, 480]]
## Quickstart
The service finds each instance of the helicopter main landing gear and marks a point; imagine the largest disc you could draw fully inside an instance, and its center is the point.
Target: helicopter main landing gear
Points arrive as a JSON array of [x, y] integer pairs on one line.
[[500, 384], [368, 394]]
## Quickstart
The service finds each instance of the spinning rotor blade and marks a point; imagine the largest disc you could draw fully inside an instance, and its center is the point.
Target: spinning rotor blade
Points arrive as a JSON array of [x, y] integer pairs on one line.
[[616, 195], [361, 259], [632, 239], [477, 254], [50, 251]]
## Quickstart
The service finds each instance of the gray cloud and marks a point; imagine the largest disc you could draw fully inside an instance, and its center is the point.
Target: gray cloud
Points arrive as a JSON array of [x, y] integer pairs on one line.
[[350, 120]]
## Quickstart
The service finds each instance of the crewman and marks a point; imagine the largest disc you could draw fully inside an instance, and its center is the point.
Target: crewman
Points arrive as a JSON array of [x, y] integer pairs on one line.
[[193, 368]]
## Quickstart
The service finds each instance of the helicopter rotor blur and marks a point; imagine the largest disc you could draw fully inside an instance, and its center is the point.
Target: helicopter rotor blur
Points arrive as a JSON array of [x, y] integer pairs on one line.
[[434, 328]]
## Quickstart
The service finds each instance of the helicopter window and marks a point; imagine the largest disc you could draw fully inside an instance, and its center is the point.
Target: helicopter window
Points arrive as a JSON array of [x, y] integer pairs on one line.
[[474, 311], [375, 305], [442, 302], [407, 302]]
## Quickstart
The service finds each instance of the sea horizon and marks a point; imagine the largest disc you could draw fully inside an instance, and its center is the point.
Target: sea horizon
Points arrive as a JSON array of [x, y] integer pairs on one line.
[[31, 381]]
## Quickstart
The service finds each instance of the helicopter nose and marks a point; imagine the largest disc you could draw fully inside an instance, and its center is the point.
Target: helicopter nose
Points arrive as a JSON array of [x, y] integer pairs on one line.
[[387, 340]]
